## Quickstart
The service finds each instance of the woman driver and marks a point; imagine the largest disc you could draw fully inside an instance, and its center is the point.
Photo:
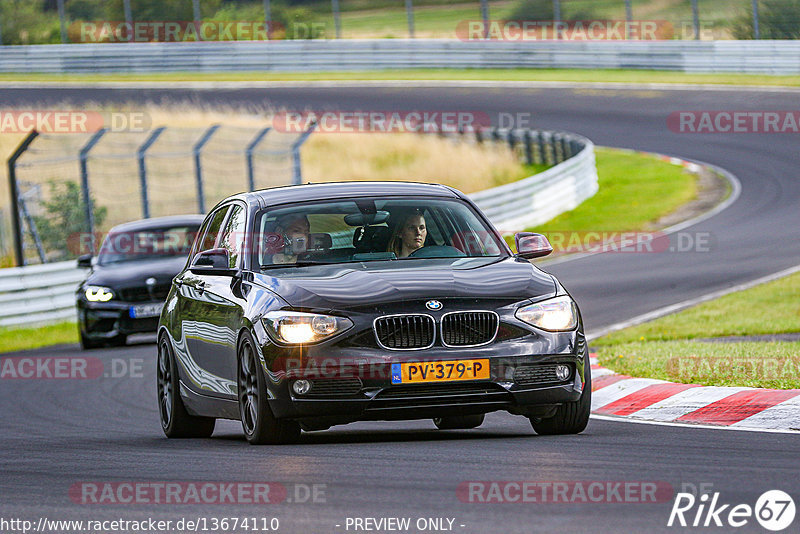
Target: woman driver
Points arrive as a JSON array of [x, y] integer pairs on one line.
[[409, 235]]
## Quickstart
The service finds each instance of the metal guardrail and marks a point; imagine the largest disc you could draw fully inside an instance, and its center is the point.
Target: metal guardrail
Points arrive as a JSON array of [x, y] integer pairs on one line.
[[757, 57], [519, 205], [46, 293], [38, 293]]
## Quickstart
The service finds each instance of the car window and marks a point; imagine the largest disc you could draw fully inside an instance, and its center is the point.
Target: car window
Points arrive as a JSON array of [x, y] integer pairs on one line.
[[372, 229], [233, 235], [209, 240], [149, 243]]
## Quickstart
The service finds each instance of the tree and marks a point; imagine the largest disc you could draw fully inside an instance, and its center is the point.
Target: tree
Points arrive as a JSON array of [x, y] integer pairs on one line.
[[64, 220]]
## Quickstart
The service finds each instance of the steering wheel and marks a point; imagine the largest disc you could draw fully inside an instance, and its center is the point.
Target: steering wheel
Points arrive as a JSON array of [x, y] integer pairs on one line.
[[437, 251]]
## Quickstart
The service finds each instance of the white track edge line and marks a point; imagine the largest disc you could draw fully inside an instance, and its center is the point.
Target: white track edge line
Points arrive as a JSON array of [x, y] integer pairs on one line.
[[620, 419]]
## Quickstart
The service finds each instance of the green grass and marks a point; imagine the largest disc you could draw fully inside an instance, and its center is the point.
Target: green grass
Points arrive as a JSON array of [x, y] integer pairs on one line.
[[635, 191], [14, 339], [774, 308], [762, 365], [522, 75]]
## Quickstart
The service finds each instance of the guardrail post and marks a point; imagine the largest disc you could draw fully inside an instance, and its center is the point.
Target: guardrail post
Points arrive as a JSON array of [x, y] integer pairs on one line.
[[140, 155], [512, 139], [198, 168], [479, 135], [552, 144], [19, 254], [528, 147], [87, 197], [542, 154], [297, 173], [251, 179]]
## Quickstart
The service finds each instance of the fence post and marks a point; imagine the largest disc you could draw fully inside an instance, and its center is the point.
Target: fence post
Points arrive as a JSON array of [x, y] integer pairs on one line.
[[62, 19], [251, 179], [87, 197], [756, 29], [410, 14], [337, 18], [198, 168], [485, 17], [297, 174], [628, 17], [19, 255], [140, 155], [268, 18], [696, 20], [557, 16]]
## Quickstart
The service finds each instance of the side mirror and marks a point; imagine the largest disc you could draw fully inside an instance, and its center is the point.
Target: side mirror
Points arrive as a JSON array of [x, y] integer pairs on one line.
[[531, 245], [85, 261], [213, 261]]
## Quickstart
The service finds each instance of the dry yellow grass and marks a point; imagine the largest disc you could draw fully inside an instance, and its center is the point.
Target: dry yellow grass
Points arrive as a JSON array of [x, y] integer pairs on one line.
[[409, 157], [326, 157]]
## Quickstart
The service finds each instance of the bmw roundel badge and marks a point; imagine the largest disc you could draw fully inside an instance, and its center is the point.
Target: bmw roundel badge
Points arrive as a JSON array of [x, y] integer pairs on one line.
[[434, 305]]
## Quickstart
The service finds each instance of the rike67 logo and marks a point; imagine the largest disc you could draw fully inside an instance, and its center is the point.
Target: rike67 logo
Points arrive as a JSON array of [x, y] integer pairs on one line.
[[774, 510]]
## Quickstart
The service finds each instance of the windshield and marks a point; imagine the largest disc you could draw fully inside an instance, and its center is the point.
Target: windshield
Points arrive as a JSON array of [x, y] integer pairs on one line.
[[151, 243], [372, 229]]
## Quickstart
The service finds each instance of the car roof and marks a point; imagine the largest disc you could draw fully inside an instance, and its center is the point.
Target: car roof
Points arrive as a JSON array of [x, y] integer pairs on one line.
[[337, 190], [159, 222]]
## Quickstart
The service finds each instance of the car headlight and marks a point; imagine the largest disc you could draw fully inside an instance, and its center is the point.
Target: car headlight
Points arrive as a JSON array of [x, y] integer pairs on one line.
[[98, 294], [555, 315], [296, 328]]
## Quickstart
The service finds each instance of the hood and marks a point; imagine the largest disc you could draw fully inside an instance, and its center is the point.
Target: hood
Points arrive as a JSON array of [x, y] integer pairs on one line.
[[134, 273], [352, 285]]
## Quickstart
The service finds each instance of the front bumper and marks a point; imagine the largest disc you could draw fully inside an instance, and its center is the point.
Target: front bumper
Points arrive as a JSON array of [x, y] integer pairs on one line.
[[107, 320], [351, 384]]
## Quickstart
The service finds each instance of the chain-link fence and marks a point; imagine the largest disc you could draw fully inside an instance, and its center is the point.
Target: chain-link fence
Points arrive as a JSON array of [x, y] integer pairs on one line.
[[67, 188]]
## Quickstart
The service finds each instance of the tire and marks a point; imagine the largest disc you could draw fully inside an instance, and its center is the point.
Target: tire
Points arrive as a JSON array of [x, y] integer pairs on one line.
[[259, 424], [459, 422], [176, 422], [570, 417]]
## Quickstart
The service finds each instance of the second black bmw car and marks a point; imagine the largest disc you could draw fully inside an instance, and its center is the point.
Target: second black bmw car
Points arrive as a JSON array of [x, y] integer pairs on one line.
[[308, 306], [129, 279]]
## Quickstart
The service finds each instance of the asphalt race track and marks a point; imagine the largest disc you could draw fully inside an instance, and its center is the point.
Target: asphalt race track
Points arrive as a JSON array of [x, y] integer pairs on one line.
[[61, 432]]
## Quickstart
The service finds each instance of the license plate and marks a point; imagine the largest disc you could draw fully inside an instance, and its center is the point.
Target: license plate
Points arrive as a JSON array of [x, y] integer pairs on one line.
[[146, 310], [407, 373]]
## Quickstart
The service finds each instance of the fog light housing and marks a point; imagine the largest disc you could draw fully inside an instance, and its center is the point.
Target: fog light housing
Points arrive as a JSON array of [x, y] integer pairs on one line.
[[301, 387], [562, 372]]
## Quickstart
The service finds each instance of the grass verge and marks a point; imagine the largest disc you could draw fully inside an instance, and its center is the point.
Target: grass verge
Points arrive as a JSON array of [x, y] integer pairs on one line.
[[14, 339], [522, 75], [635, 191], [665, 348]]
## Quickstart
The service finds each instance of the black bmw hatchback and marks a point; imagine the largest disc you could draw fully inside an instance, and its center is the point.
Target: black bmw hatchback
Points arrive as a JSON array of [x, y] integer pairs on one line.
[[309, 306], [128, 282]]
